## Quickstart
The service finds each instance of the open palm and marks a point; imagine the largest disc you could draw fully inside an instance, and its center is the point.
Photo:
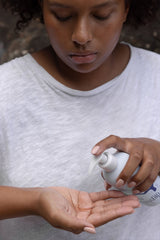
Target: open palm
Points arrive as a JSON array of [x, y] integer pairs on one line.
[[78, 211]]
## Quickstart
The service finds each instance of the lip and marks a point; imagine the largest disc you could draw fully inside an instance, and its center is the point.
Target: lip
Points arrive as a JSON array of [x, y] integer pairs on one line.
[[82, 58]]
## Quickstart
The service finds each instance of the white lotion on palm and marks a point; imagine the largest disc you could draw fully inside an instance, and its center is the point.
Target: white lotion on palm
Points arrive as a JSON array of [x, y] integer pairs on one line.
[[112, 165]]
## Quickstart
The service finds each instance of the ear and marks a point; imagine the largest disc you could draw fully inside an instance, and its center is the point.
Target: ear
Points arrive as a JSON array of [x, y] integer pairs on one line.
[[126, 12], [127, 7]]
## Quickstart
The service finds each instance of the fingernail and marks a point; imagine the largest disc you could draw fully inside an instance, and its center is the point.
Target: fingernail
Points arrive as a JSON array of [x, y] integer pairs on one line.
[[120, 183], [89, 230], [136, 191], [131, 184], [95, 150]]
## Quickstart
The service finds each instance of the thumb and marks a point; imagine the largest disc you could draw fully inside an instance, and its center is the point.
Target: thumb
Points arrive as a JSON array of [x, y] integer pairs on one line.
[[73, 224], [108, 142]]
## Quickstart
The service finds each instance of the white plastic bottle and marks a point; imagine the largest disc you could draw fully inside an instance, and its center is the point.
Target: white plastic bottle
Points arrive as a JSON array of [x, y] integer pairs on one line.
[[113, 164]]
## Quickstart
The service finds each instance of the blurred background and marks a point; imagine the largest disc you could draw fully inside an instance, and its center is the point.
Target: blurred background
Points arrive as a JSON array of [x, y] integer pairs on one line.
[[34, 37]]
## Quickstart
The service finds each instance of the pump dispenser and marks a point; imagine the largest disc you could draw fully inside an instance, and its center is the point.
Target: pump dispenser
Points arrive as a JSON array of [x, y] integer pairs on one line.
[[112, 165]]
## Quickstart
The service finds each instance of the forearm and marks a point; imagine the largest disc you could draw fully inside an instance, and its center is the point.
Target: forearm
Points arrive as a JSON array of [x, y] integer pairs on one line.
[[18, 202]]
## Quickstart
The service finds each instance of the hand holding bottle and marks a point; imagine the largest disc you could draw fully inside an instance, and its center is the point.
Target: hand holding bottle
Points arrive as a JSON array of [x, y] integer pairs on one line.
[[142, 152]]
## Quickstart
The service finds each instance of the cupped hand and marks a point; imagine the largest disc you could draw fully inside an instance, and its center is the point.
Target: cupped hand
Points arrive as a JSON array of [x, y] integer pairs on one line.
[[143, 152], [78, 211]]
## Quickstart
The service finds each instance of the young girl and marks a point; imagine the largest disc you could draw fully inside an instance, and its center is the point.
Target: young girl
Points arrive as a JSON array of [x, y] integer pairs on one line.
[[57, 103]]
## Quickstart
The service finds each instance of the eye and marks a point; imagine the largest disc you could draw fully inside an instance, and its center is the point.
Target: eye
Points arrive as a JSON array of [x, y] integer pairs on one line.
[[62, 18], [102, 18], [103, 15]]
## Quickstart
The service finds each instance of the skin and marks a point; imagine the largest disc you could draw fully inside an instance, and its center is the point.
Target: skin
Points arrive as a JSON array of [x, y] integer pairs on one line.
[[65, 208], [79, 211], [77, 27]]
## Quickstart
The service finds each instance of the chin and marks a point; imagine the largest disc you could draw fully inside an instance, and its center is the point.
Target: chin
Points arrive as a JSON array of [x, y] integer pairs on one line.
[[84, 68]]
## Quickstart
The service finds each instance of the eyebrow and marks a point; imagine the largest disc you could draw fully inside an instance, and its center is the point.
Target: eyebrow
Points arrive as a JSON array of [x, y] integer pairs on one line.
[[104, 4], [56, 4]]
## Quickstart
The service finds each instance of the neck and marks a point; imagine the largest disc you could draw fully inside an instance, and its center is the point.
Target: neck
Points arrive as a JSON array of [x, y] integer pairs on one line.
[[111, 68], [82, 81]]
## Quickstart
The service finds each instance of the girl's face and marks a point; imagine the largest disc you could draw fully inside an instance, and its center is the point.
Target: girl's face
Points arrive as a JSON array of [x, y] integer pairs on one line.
[[84, 33]]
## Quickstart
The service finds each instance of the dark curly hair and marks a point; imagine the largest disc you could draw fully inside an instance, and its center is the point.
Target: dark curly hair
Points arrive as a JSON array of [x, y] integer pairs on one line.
[[141, 11]]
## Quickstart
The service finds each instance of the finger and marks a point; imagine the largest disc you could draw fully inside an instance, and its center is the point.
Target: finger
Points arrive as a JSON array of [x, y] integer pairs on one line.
[[135, 158], [109, 215], [144, 172], [111, 141], [103, 195], [146, 184], [106, 185], [71, 223], [100, 210], [131, 201], [102, 175], [116, 209], [89, 230]]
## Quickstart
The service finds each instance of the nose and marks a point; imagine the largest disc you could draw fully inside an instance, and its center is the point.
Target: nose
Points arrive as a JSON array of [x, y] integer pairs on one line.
[[82, 33]]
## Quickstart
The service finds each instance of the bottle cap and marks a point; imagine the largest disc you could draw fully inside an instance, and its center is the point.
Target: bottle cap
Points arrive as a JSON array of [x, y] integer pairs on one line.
[[106, 161]]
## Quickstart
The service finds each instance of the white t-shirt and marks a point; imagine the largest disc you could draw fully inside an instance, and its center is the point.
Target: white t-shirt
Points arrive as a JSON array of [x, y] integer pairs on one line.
[[47, 131]]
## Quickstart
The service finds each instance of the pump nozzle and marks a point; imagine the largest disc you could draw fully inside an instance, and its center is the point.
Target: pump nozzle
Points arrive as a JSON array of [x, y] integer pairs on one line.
[[106, 161]]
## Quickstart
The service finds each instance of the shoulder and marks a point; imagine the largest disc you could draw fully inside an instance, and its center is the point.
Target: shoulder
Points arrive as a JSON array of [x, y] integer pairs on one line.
[[17, 73], [145, 56], [15, 78], [15, 66], [145, 63], [11, 71], [144, 72]]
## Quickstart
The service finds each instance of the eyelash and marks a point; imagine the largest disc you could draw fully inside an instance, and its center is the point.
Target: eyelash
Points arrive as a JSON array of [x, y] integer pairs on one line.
[[64, 19], [102, 18], [61, 19]]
